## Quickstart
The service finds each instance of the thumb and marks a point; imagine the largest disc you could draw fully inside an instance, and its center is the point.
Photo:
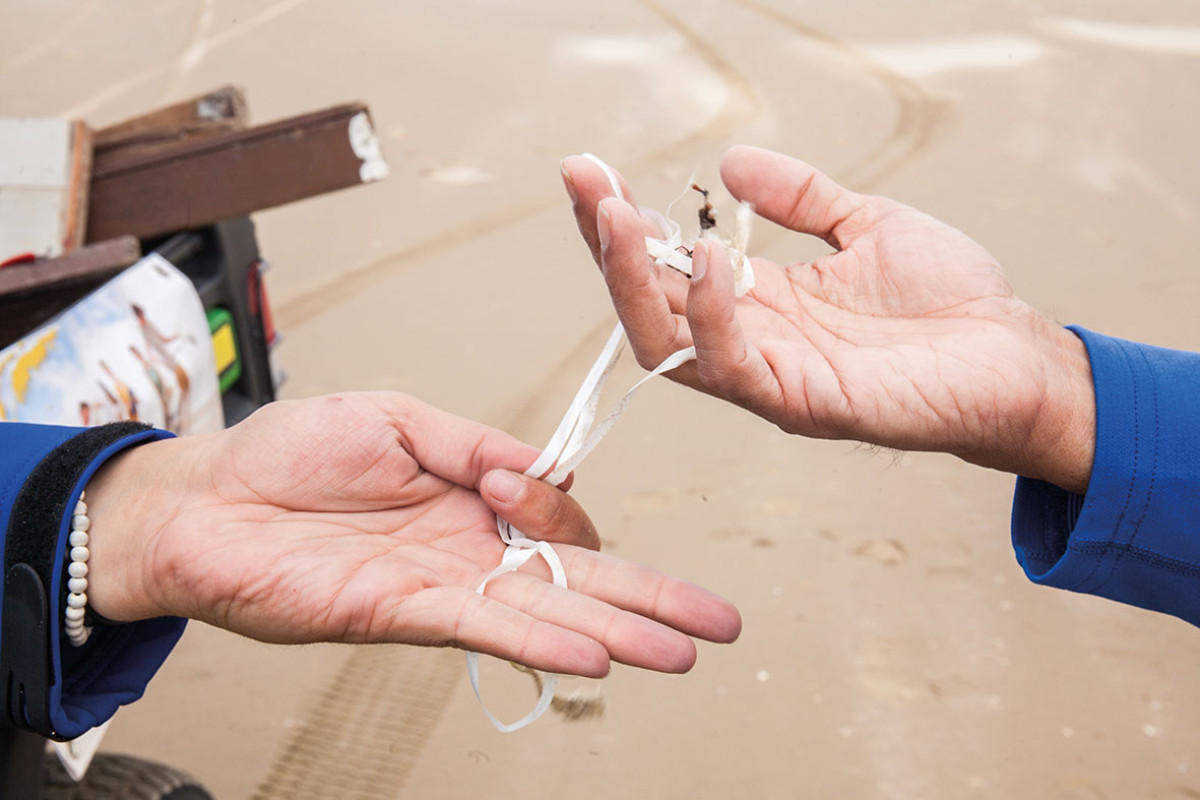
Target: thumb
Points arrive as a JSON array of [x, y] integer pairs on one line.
[[794, 194], [537, 509]]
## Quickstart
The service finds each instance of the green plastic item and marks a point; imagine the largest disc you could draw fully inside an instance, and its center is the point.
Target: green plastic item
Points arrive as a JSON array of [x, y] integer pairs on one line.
[[229, 361]]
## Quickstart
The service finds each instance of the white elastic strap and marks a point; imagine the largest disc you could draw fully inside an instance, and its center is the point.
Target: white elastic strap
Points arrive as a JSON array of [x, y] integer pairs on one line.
[[565, 454], [549, 685], [609, 173], [571, 443], [667, 253], [583, 406], [515, 555], [572, 460]]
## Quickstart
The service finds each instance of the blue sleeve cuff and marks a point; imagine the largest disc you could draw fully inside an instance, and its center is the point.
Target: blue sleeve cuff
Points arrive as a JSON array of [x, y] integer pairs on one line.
[[116, 663], [1134, 536], [86, 684]]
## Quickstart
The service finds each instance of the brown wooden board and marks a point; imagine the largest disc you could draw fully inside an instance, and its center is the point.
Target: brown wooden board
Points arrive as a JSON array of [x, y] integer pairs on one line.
[[218, 111], [99, 260], [30, 294], [78, 186], [200, 181]]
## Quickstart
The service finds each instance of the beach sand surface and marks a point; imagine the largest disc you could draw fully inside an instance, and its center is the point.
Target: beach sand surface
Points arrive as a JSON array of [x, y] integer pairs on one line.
[[892, 646]]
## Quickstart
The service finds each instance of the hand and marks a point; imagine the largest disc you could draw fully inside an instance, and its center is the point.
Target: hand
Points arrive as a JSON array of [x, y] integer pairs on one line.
[[907, 335], [371, 518]]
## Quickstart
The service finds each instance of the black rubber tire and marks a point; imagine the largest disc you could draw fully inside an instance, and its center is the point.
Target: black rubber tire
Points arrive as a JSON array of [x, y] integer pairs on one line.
[[115, 777]]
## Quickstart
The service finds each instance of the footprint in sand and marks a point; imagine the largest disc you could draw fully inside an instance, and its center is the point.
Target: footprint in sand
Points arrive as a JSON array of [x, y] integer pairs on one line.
[[1076, 788], [660, 500], [889, 552], [727, 534]]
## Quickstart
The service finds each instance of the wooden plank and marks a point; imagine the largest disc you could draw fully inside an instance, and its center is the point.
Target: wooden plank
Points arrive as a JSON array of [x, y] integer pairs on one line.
[[31, 294], [197, 182], [218, 111], [78, 187], [95, 261]]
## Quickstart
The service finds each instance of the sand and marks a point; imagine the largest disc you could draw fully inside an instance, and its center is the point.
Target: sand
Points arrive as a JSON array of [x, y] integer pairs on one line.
[[892, 646]]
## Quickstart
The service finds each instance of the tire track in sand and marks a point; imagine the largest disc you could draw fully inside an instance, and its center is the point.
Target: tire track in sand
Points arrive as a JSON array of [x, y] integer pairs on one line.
[[324, 295], [920, 118], [365, 730], [920, 115]]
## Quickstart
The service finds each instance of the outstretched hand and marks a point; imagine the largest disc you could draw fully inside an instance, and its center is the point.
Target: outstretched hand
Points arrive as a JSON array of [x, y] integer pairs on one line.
[[371, 518], [908, 335]]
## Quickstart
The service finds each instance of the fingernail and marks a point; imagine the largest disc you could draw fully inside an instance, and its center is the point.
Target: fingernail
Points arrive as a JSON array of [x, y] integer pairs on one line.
[[699, 261], [568, 181], [603, 226], [505, 486]]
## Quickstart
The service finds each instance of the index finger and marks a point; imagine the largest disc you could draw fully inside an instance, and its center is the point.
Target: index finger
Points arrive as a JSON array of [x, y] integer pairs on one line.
[[587, 184], [650, 300]]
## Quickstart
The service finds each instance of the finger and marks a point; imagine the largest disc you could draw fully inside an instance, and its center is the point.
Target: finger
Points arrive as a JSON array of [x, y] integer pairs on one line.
[[725, 363], [587, 184], [646, 299], [794, 194], [640, 590], [453, 448], [627, 637], [538, 510], [463, 618]]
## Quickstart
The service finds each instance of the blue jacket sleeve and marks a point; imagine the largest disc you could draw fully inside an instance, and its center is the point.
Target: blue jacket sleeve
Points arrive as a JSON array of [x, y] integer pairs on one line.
[[1134, 536], [86, 684]]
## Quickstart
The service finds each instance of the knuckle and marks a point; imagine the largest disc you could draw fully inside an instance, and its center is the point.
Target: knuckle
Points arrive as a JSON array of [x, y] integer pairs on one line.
[[646, 359], [717, 374]]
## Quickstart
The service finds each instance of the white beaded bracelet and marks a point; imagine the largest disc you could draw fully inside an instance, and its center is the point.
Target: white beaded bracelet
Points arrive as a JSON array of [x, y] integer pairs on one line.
[[77, 572]]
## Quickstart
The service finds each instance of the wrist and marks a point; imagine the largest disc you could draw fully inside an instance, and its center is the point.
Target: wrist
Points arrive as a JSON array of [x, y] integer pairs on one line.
[[130, 499], [1063, 442]]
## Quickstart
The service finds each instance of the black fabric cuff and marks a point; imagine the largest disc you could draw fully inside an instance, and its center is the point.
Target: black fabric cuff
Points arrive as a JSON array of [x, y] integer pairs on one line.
[[30, 564]]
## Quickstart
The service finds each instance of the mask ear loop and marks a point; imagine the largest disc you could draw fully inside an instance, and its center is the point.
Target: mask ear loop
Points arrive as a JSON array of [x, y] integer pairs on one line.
[[566, 441], [574, 439], [515, 555]]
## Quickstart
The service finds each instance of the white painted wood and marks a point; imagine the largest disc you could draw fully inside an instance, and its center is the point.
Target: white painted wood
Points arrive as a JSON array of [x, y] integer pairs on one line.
[[35, 191]]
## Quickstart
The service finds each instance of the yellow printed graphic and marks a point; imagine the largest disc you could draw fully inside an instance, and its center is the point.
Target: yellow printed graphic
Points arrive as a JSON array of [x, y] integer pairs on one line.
[[4, 363], [30, 360]]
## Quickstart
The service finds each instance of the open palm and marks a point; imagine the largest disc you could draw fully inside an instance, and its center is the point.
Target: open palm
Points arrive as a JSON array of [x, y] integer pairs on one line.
[[363, 518], [907, 335]]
